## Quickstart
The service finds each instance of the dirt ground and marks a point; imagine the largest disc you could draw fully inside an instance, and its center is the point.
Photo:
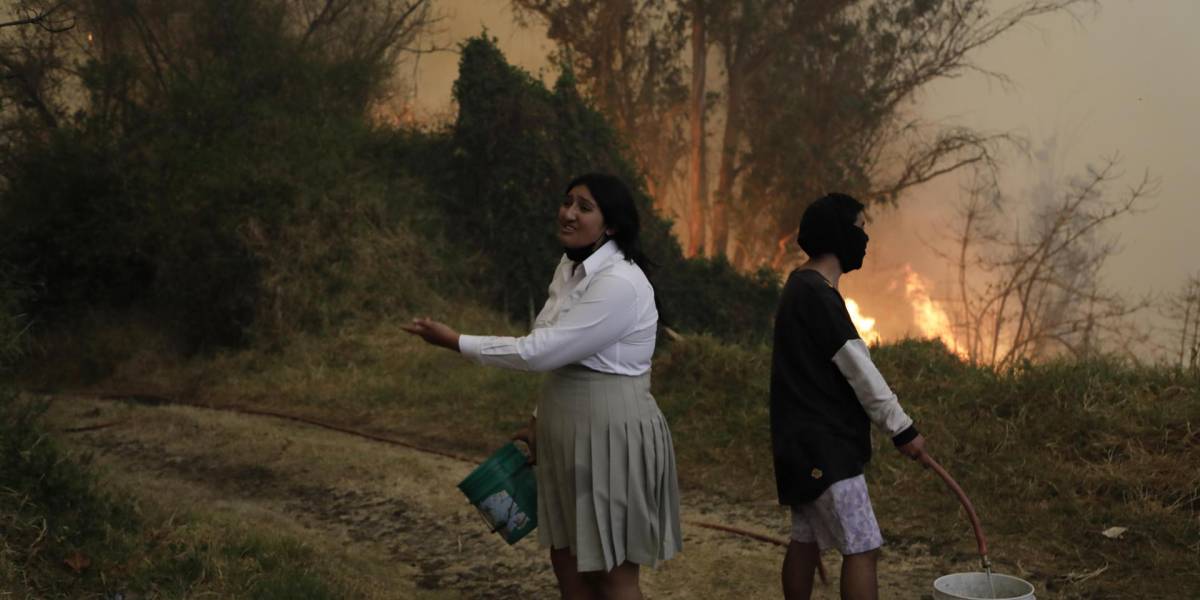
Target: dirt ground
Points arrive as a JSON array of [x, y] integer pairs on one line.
[[392, 520]]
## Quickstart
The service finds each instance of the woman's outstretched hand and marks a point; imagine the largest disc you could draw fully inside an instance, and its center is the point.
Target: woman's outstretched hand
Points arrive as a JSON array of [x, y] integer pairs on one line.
[[438, 334]]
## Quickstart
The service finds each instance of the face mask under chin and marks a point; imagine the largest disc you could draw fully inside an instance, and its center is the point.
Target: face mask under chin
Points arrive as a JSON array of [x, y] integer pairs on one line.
[[580, 254]]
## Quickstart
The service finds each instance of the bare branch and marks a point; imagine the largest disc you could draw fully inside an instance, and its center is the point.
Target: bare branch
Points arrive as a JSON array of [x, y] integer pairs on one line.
[[1043, 293], [45, 19]]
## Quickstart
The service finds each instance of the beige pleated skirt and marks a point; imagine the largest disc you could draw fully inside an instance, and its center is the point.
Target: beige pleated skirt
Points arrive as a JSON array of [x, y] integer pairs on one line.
[[607, 487]]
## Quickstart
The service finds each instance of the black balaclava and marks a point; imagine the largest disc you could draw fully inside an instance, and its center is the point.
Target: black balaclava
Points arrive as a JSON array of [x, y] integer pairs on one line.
[[827, 227]]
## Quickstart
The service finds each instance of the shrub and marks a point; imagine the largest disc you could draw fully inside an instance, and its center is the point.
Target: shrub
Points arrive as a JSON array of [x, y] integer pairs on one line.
[[513, 147]]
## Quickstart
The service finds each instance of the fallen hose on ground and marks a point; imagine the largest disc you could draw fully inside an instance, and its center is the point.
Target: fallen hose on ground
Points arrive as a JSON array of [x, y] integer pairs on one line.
[[156, 400]]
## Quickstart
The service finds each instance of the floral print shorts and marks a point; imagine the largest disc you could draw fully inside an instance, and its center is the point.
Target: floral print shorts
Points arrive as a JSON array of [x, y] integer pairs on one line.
[[840, 518]]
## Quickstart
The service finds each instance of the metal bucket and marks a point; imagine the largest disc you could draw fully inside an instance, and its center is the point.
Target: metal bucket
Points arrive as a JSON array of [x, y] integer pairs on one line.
[[975, 586]]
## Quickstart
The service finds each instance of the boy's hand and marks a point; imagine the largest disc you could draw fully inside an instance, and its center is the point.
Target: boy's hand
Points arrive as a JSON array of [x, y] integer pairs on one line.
[[914, 448]]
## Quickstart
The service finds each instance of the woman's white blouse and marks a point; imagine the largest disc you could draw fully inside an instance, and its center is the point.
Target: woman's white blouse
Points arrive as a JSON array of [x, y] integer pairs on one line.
[[600, 315]]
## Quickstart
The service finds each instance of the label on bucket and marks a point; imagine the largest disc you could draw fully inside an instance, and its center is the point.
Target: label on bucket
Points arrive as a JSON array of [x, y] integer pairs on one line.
[[502, 513]]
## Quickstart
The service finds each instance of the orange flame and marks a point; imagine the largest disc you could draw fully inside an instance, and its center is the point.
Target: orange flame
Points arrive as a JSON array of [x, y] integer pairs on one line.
[[864, 324], [930, 317]]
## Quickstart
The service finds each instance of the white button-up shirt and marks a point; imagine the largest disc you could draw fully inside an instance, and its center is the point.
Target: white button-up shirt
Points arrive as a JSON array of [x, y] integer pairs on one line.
[[600, 315]]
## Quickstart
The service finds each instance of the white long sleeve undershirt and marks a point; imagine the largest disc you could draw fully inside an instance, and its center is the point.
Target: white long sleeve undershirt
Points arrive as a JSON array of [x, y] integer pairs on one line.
[[881, 404]]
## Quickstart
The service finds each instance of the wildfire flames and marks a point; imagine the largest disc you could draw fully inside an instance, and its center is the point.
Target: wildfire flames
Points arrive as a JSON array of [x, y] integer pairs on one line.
[[865, 325], [929, 316]]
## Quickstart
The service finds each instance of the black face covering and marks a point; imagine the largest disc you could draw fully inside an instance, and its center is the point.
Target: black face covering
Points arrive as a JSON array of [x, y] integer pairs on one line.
[[827, 227], [580, 254], [853, 248]]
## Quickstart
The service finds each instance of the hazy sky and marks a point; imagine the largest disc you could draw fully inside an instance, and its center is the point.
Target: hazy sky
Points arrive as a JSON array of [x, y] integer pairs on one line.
[[1124, 79]]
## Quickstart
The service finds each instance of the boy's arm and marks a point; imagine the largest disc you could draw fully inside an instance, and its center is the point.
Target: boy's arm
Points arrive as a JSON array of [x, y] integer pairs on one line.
[[881, 404]]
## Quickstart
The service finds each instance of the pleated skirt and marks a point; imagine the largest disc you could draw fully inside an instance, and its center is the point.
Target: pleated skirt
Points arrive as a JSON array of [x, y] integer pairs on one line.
[[607, 486]]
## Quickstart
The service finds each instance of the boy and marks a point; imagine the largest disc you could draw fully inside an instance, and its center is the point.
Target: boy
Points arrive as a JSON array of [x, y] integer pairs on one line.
[[825, 393]]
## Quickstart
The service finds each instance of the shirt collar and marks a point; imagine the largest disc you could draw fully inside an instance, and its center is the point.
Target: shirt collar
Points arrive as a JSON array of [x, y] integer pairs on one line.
[[599, 257]]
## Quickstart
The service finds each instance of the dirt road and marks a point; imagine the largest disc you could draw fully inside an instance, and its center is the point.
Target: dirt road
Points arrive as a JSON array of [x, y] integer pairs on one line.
[[392, 519]]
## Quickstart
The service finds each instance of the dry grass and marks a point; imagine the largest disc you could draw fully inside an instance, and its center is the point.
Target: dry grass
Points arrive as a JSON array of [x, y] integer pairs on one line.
[[68, 536], [1051, 454], [389, 521]]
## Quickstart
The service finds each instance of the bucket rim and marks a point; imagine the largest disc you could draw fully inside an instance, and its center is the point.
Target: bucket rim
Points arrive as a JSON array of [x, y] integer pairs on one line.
[[995, 576], [490, 475]]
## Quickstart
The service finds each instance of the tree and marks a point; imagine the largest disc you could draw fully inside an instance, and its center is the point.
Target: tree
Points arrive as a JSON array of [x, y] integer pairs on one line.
[[206, 141], [515, 144], [1029, 291], [816, 96], [32, 58], [1184, 308], [751, 34], [626, 56], [51, 17], [697, 189], [145, 51], [832, 109]]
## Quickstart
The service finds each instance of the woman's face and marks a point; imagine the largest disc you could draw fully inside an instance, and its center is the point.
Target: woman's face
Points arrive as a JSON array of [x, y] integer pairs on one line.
[[580, 223]]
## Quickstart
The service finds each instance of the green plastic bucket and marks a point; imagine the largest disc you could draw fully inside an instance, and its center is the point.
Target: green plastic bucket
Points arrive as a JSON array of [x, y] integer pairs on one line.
[[504, 491]]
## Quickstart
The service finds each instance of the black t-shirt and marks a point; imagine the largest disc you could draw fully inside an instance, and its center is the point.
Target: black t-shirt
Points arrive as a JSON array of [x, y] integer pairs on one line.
[[820, 433]]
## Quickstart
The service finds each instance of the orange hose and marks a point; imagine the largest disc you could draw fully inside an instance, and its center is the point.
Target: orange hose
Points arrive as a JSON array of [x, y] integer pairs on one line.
[[762, 538], [980, 540], [160, 400]]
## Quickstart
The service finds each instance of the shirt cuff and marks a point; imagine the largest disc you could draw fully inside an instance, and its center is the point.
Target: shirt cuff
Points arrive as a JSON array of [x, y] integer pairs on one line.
[[905, 436], [469, 346]]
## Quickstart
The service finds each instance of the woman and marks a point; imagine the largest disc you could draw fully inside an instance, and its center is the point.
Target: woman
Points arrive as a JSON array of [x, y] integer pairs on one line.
[[608, 499]]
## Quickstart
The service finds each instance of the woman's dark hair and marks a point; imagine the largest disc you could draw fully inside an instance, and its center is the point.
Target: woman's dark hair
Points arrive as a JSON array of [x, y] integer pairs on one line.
[[619, 212]]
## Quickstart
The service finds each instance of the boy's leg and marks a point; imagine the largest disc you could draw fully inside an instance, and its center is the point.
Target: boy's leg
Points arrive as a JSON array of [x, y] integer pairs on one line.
[[844, 514], [858, 576], [798, 567]]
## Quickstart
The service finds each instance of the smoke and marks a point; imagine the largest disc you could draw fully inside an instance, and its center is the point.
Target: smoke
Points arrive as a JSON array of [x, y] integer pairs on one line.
[[1085, 80], [434, 74]]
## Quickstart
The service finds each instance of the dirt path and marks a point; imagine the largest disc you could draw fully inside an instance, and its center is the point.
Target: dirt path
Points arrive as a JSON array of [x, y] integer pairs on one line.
[[392, 516]]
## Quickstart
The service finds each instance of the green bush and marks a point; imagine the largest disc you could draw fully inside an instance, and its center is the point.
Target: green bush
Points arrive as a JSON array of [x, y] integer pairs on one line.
[[513, 147], [53, 513], [176, 196], [50, 506], [13, 323], [249, 196]]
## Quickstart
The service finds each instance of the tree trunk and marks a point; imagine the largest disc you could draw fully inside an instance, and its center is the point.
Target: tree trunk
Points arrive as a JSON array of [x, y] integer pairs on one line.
[[697, 173], [728, 171]]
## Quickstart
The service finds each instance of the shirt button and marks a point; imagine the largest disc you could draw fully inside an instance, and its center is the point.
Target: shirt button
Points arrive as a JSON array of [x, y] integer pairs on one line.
[[816, 473]]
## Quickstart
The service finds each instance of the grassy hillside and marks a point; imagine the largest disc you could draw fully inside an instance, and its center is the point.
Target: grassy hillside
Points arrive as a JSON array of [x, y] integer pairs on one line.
[[68, 536], [1051, 454]]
